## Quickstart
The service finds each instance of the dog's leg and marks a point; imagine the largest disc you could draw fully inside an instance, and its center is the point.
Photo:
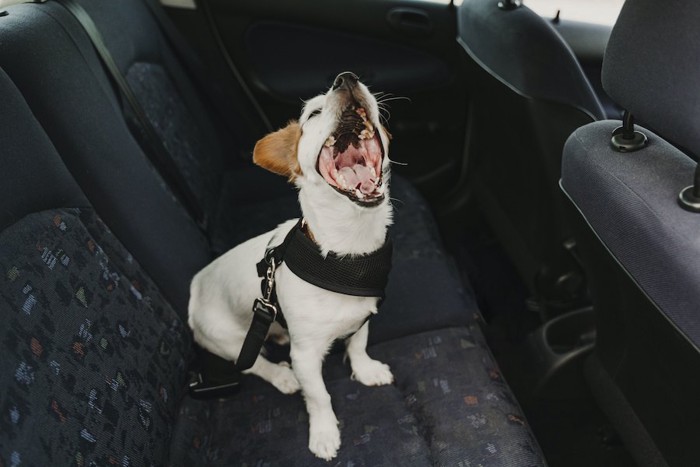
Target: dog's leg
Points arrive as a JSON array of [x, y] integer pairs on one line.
[[324, 435], [364, 369], [278, 334], [278, 374]]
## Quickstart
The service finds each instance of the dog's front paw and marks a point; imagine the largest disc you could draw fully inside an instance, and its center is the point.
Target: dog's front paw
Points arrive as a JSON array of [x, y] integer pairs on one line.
[[284, 379], [324, 440], [372, 373]]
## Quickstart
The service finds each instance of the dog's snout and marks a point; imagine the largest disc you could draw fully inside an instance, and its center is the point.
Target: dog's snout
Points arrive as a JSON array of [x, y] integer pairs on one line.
[[346, 80]]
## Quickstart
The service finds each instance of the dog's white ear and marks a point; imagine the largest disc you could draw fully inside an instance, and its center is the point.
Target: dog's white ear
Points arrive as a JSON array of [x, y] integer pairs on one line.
[[277, 152]]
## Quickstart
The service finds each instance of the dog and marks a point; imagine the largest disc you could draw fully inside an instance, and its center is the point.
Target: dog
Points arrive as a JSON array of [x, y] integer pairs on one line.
[[337, 156]]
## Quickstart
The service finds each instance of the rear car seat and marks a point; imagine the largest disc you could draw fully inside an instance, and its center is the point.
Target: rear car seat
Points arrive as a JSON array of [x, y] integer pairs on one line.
[[79, 310]]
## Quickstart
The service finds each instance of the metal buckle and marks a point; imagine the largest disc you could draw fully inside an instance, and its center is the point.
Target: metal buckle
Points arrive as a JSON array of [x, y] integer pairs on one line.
[[200, 388], [265, 310], [263, 306]]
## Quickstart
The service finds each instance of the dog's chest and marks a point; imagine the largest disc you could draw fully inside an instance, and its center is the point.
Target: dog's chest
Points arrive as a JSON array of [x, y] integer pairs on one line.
[[308, 308]]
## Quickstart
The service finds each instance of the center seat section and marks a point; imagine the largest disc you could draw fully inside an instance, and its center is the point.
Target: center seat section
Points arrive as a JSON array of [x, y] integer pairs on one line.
[[101, 365]]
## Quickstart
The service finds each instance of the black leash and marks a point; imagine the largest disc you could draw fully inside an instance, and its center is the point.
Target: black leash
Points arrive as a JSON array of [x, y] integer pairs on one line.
[[360, 276]]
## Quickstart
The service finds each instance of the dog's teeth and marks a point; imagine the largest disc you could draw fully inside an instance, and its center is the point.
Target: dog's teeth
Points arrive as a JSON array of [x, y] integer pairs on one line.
[[359, 194], [369, 130], [329, 142], [373, 172], [342, 182]]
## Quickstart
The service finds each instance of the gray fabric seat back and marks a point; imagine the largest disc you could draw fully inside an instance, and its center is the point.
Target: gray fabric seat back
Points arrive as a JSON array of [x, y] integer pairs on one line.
[[72, 97], [641, 248]]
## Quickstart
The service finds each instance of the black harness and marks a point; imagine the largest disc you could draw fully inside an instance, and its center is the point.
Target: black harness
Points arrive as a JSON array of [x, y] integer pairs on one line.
[[359, 275]]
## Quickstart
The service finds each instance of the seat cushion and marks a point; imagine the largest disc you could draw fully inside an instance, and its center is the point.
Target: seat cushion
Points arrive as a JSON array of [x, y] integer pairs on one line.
[[449, 406]]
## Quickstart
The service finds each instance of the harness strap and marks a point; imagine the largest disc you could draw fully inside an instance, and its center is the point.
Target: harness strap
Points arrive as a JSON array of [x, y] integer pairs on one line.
[[359, 275]]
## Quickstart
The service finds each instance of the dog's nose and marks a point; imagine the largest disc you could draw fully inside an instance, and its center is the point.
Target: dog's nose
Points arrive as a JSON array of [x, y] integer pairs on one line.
[[346, 79]]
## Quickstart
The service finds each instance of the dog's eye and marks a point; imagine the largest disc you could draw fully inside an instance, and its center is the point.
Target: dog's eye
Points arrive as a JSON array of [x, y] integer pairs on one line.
[[314, 113]]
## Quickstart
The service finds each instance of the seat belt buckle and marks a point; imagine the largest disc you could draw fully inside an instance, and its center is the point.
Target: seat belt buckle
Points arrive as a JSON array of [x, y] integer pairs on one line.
[[214, 377], [202, 388]]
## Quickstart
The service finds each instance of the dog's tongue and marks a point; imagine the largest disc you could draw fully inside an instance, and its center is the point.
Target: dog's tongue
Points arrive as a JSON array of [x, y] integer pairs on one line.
[[359, 175]]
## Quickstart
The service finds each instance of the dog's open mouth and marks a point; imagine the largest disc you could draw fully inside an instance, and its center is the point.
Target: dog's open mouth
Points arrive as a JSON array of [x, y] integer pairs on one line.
[[351, 158]]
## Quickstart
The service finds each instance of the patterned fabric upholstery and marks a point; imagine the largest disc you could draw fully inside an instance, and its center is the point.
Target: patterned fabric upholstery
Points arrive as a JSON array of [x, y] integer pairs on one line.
[[449, 406], [94, 359], [97, 362]]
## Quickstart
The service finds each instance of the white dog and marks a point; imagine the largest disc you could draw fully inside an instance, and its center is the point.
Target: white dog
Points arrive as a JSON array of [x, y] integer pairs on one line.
[[337, 156]]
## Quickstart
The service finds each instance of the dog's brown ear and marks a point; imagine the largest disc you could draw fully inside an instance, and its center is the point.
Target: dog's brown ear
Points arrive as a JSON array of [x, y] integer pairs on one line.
[[277, 152]]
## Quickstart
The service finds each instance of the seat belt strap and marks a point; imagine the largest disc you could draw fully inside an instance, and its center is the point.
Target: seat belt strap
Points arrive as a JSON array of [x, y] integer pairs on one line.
[[155, 150], [213, 27]]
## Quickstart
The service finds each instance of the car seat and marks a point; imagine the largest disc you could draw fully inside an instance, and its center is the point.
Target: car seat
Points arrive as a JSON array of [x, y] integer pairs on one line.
[[635, 208]]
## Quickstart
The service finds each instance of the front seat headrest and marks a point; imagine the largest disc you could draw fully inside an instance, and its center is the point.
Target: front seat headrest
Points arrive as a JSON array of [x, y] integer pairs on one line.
[[652, 67]]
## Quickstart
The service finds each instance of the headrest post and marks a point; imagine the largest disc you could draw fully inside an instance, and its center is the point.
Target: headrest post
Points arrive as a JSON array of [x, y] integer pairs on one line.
[[509, 4], [625, 138], [689, 197]]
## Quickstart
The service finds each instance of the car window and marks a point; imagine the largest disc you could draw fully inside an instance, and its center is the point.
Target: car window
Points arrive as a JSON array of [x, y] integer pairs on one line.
[[587, 11]]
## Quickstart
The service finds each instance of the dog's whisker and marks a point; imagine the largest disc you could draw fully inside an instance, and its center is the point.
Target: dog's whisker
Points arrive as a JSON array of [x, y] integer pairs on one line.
[[385, 114], [396, 200], [394, 98]]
